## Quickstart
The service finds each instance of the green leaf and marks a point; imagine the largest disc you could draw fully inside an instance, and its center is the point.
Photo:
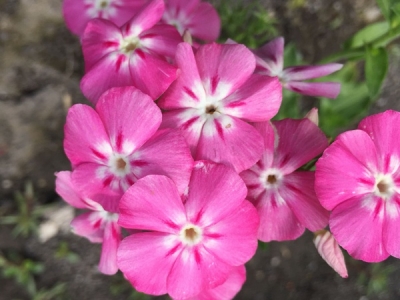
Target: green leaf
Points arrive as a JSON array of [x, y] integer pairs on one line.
[[396, 9], [376, 67], [367, 35], [385, 6]]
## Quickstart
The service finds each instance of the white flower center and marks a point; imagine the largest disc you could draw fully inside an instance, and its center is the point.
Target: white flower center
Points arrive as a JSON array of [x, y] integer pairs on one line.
[[102, 4], [191, 234], [129, 44], [384, 186], [271, 178], [119, 165]]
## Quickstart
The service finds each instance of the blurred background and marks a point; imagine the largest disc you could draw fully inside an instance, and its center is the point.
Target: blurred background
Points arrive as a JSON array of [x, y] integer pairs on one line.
[[40, 68]]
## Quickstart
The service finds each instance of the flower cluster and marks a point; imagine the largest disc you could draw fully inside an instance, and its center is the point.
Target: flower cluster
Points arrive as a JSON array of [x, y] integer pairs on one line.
[[182, 169]]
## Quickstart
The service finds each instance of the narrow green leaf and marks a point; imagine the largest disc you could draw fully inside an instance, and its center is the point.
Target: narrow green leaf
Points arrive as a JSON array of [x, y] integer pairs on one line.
[[385, 6], [367, 35], [376, 67]]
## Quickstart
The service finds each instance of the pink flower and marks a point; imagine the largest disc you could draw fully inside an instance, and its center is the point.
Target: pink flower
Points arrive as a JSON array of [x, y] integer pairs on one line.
[[358, 178], [135, 54], [283, 195], [187, 248], [200, 19], [98, 226], [330, 251], [214, 97], [118, 143], [270, 62], [77, 13], [228, 289]]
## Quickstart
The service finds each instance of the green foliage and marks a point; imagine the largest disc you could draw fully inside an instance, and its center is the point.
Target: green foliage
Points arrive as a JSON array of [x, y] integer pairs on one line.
[[375, 278], [246, 23], [376, 67], [29, 213], [64, 252], [121, 286], [367, 35], [56, 292]]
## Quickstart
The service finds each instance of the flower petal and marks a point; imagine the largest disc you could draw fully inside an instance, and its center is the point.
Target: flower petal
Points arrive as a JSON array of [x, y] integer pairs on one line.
[[317, 89], [116, 108], [299, 73], [391, 226], [76, 23], [357, 225], [161, 39], [111, 240], [66, 190], [230, 141], [270, 57], [205, 23], [152, 203], [89, 225], [148, 273]]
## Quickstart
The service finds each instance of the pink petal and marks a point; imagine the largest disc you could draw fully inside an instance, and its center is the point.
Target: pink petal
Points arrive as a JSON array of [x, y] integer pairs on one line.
[[166, 153], [110, 71], [391, 226], [161, 39], [330, 251], [270, 57], [277, 220], [151, 73], [101, 38], [66, 190], [257, 100], [317, 89], [187, 90], [129, 116], [357, 225], [312, 115], [298, 192], [300, 73], [345, 169], [146, 260], [152, 203], [111, 240], [144, 19], [230, 141], [125, 10], [195, 270], [299, 142], [268, 133], [382, 128], [76, 22], [205, 23], [228, 289], [224, 68], [89, 226], [85, 139], [234, 238], [253, 182], [215, 191]]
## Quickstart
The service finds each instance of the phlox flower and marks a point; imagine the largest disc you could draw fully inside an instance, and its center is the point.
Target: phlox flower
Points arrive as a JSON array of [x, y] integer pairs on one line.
[[133, 55], [98, 226], [198, 18], [228, 289], [214, 97], [283, 195], [77, 13], [270, 62], [187, 247], [358, 179], [118, 143]]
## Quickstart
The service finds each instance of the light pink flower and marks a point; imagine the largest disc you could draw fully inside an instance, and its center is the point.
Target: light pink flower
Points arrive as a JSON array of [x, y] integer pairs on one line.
[[135, 54], [214, 97], [358, 178], [116, 144], [330, 251], [228, 289], [77, 13], [98, 226], [283, 195], [198, 18], [187, 248], [270, 62]]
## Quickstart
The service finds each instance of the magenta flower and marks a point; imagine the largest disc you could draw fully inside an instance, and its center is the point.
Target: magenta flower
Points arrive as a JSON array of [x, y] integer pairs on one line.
[[214, 97], [187, 247], [358, 178], [198, 18], [118, 143], [228, 289], [135, 54], [285, 197], [270, 62], [77, 13], [98, 226]]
